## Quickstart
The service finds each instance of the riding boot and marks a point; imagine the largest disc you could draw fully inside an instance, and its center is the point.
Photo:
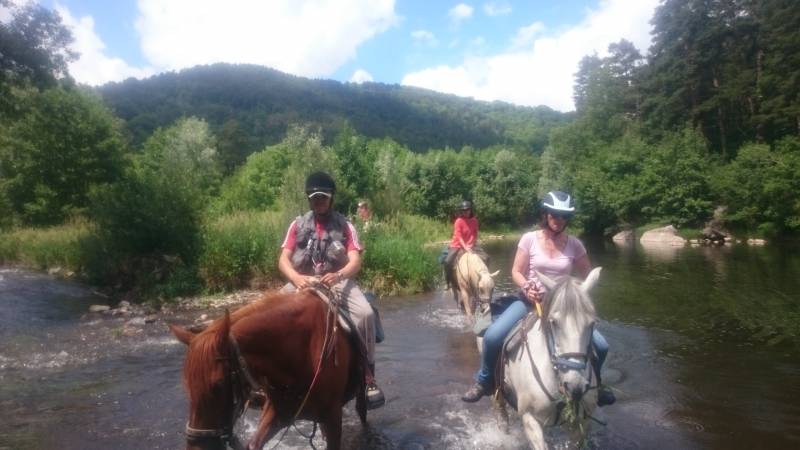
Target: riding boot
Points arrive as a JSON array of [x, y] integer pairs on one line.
[[375, 398], [605, 396], [475, 393]]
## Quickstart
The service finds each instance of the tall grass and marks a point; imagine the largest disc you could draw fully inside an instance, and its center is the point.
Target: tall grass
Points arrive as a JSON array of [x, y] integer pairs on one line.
[[43, 248], [396, 259], [240, 247]]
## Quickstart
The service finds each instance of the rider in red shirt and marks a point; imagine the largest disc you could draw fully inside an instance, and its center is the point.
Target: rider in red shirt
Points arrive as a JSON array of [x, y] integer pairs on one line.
[[465, 238]]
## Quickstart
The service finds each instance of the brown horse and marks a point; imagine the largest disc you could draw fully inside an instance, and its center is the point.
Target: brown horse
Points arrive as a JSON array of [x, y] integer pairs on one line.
[[287, 348]]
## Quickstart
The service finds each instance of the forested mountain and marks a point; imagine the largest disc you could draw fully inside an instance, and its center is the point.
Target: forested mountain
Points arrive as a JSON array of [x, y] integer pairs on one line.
[[251, 106]]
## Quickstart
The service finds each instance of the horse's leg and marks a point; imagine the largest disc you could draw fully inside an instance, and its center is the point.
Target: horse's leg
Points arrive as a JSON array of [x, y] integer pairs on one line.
[[266, 428], [533, 431], [332, 429], [467, 301], [361, 404]]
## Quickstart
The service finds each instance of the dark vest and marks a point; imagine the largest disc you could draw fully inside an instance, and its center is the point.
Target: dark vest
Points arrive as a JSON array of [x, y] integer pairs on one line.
[[315, 255]]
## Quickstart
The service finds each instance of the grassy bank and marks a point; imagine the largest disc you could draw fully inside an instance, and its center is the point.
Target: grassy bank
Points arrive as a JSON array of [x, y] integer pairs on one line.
[[43, 248], [239, 250]]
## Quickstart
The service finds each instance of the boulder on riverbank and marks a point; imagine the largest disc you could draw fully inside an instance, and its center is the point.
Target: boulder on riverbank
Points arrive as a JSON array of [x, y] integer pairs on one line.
[[667, 235], [624, 237]]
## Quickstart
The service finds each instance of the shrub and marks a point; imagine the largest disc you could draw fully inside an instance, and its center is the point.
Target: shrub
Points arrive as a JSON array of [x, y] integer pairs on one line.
[[239, 247]]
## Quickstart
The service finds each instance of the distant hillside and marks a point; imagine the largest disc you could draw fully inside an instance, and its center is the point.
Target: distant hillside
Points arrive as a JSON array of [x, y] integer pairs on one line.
[[250, 106]]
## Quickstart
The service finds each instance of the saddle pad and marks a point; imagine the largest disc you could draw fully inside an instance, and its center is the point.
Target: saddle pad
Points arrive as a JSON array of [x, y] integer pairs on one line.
[[514, 338]]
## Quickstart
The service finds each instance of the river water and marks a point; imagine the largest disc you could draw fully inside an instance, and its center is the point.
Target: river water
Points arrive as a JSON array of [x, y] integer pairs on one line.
[[704, 354]]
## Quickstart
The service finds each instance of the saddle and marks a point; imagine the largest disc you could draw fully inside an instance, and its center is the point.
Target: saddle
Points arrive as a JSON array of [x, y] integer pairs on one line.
[[344, 319], [514, 339]]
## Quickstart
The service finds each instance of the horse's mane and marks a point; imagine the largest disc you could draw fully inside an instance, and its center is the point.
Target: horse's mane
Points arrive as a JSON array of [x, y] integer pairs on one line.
[[207, 346], [568, 298]]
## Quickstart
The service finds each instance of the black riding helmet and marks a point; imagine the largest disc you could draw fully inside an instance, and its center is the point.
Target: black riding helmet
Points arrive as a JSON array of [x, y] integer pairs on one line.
[[320, 183], [466, 204]]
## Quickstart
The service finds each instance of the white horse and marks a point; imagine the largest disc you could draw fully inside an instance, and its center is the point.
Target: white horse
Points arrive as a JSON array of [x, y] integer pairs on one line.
[[552, 366], [475, 283]]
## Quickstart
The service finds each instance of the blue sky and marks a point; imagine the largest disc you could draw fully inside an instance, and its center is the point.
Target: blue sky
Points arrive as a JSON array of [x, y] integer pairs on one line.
[[523, 52]]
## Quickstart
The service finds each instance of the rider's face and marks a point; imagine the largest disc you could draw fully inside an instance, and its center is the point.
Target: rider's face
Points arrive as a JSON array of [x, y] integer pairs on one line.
[[320, 204], [556, 222]]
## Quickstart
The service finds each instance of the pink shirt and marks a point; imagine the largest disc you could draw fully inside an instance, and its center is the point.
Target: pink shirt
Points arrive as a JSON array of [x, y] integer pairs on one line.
[[539, 261]]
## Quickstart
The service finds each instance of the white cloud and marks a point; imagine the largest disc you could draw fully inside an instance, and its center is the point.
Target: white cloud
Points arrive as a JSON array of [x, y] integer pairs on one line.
[[360, 76], [424, 37], [496, 8], [525, 35], [93, 65], [543, 73], [310, 38], [460, 12]]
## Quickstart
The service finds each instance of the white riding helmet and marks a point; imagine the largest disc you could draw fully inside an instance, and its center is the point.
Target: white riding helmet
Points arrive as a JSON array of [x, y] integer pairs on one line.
[[559, 202]]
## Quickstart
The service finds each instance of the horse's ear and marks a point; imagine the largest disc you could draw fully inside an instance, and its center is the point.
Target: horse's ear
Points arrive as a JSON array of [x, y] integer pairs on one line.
[[182, 334], [494, 274], [548, 282], [224, 330], [591, 280]]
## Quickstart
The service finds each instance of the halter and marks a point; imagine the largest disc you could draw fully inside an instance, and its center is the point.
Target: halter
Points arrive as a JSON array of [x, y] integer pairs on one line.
[[560, 362], [240, 384]]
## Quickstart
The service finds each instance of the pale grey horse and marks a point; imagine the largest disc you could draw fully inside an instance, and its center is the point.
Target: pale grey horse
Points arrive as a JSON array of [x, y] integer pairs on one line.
[[552, 365]]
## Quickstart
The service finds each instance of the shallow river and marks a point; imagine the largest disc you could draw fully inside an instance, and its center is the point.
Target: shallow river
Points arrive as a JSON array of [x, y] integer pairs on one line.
[[704, 354]]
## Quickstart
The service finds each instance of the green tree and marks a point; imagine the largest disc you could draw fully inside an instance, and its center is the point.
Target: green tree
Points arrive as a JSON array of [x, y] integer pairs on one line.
[[65, 142], [157, 208], [34, 47]]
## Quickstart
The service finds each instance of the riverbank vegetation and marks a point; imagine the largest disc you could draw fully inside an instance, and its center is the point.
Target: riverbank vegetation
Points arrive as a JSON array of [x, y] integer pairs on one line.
[[166, 186]]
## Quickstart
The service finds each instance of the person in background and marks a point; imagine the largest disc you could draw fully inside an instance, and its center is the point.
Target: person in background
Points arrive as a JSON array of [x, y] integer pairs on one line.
[[552, 252], [465, 238], [364, 214], [322, 245]]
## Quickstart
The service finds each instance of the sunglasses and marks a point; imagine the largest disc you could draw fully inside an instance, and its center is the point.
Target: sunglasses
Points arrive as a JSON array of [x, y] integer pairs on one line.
[[564, 216]]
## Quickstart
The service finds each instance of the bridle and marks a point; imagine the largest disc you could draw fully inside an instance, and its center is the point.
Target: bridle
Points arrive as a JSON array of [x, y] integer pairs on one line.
[[560, 362], [242, 387]]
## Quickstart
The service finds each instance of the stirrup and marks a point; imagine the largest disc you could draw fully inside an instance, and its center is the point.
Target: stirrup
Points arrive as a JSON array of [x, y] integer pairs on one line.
[[375, 398]]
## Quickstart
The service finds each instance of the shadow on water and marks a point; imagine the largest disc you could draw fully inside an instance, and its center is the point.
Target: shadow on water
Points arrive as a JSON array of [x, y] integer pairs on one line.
[[703, 355]]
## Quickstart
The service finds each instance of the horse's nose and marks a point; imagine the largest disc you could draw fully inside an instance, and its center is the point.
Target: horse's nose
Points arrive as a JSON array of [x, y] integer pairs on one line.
[[575, 390]]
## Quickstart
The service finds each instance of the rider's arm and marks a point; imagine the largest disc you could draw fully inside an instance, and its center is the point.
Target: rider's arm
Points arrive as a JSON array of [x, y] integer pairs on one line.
[[520, 267], [349, 270], [582, 266], [287, 269]]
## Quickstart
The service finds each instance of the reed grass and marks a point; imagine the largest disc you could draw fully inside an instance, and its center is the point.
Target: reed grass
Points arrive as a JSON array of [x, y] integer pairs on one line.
[[44, 248]]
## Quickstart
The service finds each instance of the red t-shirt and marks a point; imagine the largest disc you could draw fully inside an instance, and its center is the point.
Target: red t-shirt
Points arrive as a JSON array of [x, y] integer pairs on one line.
[[351, 241], [467, 229]]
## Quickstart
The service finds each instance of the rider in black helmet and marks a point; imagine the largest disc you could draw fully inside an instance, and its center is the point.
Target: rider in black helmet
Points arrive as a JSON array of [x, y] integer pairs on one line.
[[322, 245]]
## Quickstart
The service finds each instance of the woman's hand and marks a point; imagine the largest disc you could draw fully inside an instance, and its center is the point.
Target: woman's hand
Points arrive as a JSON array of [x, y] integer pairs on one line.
[[533, 295]]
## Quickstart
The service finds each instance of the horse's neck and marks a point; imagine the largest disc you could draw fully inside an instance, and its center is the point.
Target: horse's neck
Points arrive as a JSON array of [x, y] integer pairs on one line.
[[536, 344]]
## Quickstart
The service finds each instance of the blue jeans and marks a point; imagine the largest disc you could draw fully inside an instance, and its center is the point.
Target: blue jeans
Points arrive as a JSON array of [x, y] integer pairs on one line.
[[499, 329], [493, 339]]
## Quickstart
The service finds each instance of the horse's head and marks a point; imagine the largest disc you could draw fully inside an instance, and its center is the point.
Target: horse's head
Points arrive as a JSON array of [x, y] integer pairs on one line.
[[486, 285], [568, 327], [209, 379]]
